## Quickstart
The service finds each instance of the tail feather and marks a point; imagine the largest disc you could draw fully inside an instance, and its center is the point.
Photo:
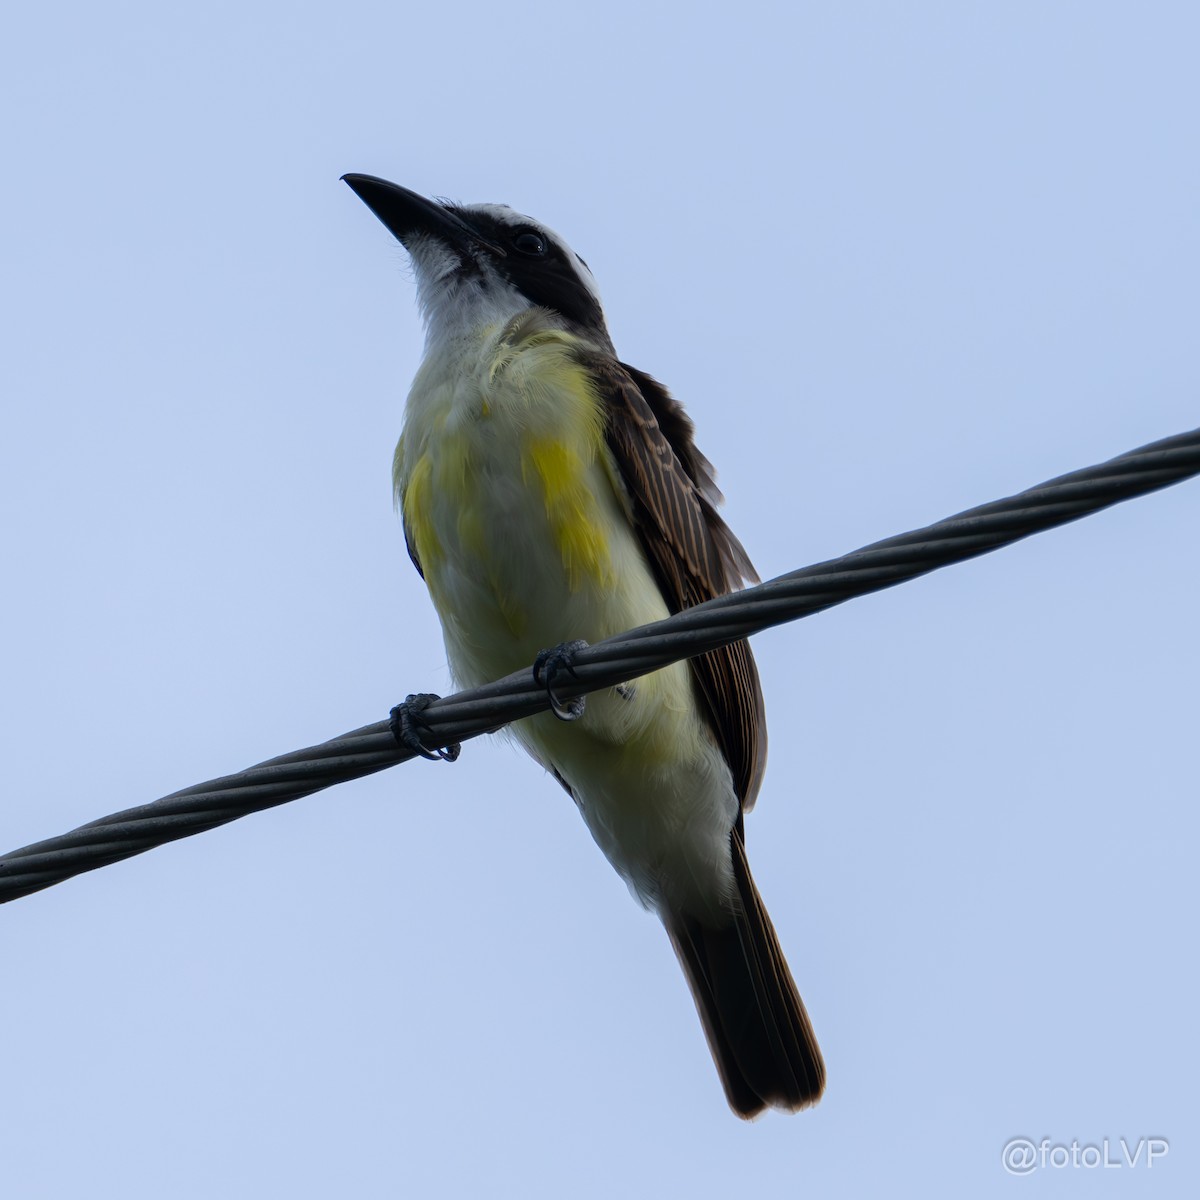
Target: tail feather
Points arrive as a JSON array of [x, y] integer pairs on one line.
[[760, 1036]]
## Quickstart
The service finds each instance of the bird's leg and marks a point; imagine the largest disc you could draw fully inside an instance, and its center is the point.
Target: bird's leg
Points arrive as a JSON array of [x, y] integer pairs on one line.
[[413, 733], [551, 663]]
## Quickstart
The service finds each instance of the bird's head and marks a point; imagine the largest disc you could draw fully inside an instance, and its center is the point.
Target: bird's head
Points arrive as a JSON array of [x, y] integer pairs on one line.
[[478, 264]]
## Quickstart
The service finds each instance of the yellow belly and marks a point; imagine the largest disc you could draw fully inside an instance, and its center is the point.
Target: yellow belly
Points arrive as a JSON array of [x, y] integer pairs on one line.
[[511, 503]]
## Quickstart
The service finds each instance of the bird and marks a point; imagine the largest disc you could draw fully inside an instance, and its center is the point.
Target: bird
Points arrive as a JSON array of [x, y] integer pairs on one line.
[[552, 495]]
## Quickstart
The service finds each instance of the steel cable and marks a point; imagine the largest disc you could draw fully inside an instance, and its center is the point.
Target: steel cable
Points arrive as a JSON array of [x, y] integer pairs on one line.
[[605, 664]]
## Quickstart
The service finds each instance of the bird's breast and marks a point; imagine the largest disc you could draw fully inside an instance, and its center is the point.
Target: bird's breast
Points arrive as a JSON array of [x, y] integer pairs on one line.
[[512, 505]]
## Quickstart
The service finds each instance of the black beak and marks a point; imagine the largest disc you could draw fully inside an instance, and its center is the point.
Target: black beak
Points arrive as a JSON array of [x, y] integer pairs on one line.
[[406, 214]]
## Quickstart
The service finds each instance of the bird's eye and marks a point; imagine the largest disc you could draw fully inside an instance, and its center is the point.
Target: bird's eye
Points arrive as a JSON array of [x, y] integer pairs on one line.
[[530, 243]]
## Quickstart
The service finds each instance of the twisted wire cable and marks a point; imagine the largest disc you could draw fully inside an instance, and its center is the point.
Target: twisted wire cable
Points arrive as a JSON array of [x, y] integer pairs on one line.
[[605, 664]]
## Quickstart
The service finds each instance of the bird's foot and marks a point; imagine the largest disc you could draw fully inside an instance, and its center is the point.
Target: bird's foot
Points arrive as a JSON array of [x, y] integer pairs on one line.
[[412, 732], [551, 663]]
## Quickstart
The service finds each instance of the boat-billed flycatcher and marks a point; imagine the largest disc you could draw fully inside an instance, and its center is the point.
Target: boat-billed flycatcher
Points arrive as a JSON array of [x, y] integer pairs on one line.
[[551, 493]]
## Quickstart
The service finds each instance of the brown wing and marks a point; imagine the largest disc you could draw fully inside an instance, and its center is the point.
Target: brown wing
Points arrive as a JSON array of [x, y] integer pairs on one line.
[[411, 545], [692, 552], [409, 541]]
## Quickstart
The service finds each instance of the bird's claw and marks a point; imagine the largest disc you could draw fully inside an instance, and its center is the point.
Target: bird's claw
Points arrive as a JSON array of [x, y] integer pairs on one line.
[[551, 663], [412, 732]]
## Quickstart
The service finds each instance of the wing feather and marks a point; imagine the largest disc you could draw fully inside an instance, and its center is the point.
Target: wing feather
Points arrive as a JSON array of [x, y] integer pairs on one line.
[[410, 544], [692, 552]]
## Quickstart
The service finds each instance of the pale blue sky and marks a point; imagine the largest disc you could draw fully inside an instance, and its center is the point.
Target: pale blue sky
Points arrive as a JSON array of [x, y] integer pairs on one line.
[[897, 260]]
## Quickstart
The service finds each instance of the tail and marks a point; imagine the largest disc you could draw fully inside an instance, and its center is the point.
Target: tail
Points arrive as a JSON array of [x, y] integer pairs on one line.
[[760, 1036]]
